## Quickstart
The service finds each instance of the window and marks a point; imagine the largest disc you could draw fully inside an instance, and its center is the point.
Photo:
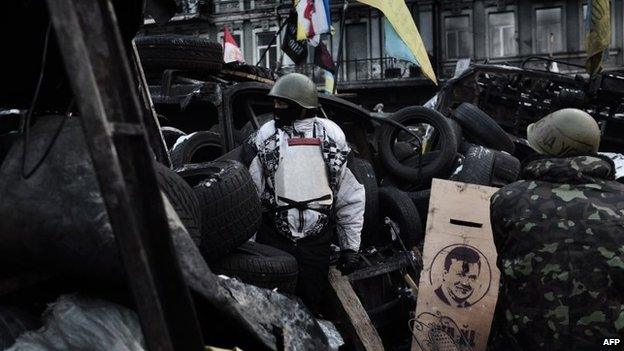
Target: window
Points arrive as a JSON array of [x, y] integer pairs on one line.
[[263, 40], [549, 30], [458, 37], [356, 50], [502, 34], [583, 31], [425, 26]]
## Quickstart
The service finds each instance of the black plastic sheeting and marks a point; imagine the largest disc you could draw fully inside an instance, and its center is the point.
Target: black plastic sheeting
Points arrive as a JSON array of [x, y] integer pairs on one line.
[[57, 218]]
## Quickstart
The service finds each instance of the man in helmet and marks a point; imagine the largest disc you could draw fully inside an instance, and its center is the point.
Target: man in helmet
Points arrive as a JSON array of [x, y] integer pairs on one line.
[[560, 240], [300, 168]]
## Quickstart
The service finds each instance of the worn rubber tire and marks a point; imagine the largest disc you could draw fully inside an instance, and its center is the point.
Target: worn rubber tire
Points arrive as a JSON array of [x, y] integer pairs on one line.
[[413, 161], [182, 198], [478, 166], [229, 202], [14, 322], [457, 129], [238, 139], [438, 167], [421, 201], [506, 169], [481, 128], [260, 265], [398, 206], [198, 147], [171, 135], [403, 150], [181, 52], [365, 174]]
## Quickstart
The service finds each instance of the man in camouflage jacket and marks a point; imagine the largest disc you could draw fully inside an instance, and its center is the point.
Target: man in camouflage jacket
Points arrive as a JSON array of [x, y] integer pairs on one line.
[[560, 240]]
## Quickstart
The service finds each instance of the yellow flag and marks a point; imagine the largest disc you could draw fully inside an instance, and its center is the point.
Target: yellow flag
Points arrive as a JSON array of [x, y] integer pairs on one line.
[[401, 19], [599, 33]]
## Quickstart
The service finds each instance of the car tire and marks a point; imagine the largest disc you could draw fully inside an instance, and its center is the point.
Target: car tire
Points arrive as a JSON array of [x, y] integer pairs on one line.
[[477, 167], [481, 128], [198, 147], [229, 203], [14, 322], [180, 52], [396, 205], [182, 198], [505, 170], [365, 174], [421, 201], [171, 135], [260, 265], [457, 129], [438, 167]]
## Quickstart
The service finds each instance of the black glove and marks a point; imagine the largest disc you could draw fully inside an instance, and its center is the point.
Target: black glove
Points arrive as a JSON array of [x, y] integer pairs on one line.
[[349, 261]]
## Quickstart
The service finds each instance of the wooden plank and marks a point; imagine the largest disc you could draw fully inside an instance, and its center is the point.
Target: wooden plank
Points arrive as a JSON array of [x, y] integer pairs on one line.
[[458, 285], [364, 334]]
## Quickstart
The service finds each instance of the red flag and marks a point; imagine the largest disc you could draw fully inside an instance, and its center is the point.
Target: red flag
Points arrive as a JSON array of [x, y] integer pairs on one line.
[[323, 58], [231, 51]]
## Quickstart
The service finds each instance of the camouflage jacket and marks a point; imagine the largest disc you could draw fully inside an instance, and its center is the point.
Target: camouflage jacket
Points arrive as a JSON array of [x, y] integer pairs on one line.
[[560, 240]]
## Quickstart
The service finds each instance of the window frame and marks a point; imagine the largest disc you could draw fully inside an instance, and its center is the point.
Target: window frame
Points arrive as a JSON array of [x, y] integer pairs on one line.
[[254, 34], [564, 35], [443, 33], [422, 9], [488, 44], [344, 69]]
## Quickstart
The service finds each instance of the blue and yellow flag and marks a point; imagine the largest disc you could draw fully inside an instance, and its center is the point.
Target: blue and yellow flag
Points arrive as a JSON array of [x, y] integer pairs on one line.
[[598, 24], [395, 46], [401, 19]]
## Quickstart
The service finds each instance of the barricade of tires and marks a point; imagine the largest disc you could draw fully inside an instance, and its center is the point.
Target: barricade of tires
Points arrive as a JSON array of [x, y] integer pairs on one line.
[[466, 146], [222, 208]]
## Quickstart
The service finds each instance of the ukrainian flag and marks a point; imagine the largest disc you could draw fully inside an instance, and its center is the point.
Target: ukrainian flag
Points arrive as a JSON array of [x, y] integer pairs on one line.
[[401, 19], [598, 23]]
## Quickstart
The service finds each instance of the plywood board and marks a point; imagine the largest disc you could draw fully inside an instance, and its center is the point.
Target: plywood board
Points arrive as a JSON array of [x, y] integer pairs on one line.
[[459, 282]]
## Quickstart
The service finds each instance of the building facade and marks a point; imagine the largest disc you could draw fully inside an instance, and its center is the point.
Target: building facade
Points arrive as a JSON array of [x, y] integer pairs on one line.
[[494, 31]]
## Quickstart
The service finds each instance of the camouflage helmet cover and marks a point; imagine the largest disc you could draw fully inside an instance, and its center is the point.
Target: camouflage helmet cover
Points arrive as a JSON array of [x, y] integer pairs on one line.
[[297, 88], [566, 132]]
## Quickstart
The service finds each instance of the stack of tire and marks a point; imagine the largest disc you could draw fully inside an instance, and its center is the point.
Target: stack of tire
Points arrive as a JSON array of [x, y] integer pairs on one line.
[[468, 146], [219, 206]]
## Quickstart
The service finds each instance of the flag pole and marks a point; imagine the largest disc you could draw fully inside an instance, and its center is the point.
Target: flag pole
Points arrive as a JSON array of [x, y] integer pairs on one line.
[[342, 35], [273, 40]]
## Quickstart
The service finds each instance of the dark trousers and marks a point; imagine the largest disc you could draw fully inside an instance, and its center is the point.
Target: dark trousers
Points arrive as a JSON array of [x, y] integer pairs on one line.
[[312, 254]]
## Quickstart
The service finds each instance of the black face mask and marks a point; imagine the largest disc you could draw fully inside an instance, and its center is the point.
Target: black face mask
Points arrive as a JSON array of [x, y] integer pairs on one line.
[[286, 116]]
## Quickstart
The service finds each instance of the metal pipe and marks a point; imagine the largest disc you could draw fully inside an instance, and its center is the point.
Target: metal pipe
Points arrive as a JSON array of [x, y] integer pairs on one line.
[[435, 14]]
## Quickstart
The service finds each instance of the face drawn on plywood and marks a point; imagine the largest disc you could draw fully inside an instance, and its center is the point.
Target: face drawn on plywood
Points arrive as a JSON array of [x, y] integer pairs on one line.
[[461, 275]]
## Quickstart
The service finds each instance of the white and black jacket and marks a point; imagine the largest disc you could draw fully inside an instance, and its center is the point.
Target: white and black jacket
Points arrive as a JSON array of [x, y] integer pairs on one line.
[[348, 193]]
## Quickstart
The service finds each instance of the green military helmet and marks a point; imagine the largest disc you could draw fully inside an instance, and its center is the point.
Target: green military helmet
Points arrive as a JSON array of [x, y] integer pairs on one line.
[[297, 88], [566, 132]]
